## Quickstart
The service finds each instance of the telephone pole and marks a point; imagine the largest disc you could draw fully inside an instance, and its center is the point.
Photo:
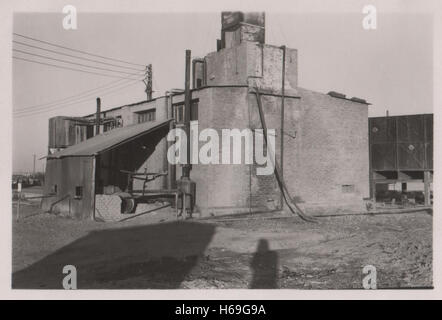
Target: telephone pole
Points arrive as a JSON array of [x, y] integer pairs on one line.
[[33, 170], [148, 82], [97, 117]]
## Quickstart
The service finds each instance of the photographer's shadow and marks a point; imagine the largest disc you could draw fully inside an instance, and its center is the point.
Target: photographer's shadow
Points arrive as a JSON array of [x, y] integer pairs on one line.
[[264, 265]]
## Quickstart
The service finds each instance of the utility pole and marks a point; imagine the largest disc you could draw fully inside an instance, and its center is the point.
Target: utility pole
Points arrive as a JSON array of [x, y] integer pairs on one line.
[[185, 184], [33, 170], [148, 81], [97, 117], [187, 99], [19, 199]]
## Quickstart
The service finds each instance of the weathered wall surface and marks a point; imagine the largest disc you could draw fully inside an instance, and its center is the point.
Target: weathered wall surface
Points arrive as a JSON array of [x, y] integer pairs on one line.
[[325, 153], [68, 173], [64, 132], [329, 156], [325, 148], [325, 140], [252, 63], [222, 187]]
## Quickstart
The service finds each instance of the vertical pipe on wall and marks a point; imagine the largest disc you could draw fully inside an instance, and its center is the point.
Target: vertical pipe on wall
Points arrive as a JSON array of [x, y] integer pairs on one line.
[[282, 119], [171, 169], [93, 186], [194, 62], [187, 99]]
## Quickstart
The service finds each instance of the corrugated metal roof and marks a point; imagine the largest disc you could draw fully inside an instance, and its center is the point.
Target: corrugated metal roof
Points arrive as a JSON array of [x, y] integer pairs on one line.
[[109, 140]]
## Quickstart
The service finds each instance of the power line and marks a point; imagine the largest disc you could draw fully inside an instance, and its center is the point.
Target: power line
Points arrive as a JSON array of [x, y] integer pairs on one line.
[[72, 69], [76, 50], [30, 113], [76, 97], [69, 97], [66, 61], [74, 56]]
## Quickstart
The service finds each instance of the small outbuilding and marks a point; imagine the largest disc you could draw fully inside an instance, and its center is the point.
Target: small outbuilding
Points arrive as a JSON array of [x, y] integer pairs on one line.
[[75, 175]]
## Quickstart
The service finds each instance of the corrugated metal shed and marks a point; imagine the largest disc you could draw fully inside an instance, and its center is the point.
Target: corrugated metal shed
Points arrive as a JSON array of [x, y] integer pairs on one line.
[[109, 140]]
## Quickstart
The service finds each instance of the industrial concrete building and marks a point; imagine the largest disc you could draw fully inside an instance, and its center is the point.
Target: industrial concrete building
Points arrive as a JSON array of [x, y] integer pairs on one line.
[[323, 153]]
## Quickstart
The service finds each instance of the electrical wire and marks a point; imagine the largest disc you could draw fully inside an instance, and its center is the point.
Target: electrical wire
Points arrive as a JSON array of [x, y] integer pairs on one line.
[[93, 92], [30, 113], [76, 50], [80, 97], [76, 57], [70, 62], [69, 97], [68, 68]]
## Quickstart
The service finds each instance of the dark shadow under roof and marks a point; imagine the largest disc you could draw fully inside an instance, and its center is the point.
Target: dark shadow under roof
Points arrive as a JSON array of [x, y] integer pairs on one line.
[[109, 140]]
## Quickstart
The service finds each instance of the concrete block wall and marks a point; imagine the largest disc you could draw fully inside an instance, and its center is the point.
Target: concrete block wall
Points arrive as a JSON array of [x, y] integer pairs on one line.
[[228, 66], [329, 153], [267, 61], [222, 188], [254, 64], [325, 151]]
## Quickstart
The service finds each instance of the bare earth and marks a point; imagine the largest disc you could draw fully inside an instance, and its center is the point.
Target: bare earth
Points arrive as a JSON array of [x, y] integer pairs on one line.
[[157, 251]]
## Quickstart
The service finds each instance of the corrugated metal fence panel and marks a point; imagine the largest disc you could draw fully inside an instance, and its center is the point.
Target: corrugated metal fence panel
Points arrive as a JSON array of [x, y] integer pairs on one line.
[[429, 155], [411, 156], [383, 156], [402, 142], [429, 127], [411, 128], [382, 129]]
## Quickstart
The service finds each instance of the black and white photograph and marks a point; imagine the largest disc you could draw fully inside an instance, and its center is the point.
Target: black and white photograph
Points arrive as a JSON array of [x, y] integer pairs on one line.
[[277, 146]]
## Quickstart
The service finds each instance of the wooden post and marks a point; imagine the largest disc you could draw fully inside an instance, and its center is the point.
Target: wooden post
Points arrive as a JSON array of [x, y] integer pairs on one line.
[[427, 192], [18, 202], [373, 191], [187, 105], [97, 117], [33, 170]]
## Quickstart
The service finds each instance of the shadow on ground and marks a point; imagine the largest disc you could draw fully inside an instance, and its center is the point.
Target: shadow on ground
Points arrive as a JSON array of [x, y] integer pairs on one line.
[[264, 265], [153, 256]]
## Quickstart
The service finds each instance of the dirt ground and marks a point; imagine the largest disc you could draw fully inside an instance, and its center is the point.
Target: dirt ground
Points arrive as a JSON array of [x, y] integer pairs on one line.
[[157, 251]]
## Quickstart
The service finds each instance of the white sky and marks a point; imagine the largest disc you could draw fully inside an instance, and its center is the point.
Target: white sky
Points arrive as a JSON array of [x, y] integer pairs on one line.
[[390, 67]]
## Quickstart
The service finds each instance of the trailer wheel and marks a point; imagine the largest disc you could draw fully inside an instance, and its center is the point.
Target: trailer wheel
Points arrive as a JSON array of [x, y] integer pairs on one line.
[[128, 205]]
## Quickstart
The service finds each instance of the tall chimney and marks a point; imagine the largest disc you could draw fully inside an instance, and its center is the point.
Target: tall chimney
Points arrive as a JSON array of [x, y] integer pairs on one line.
[[97, 117], [237, 27]]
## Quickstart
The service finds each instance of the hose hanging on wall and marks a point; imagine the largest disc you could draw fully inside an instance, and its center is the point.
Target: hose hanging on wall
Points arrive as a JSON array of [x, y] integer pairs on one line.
[[294, 208]]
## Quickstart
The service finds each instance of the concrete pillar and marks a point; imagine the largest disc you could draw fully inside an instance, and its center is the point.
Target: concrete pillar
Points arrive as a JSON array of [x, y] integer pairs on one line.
[[427, 191]]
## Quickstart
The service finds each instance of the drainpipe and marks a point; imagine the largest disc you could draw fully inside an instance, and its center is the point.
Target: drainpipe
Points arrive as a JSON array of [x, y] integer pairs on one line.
[[282, 119], [97, 117], [171, 168], [186, 185], [187, 99]]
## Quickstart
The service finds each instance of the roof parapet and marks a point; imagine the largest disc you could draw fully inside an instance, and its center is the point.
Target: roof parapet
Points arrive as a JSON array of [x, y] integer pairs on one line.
[[339, 95]]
